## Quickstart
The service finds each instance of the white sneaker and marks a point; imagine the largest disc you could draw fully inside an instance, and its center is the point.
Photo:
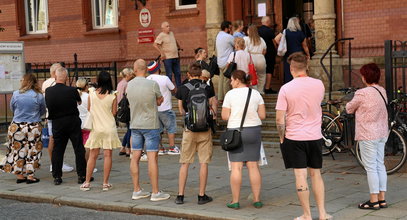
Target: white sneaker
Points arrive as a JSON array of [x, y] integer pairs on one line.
[[173, 151], [140, 194], [50, 168], [66, 168], [162, 151], [95, 170], [144, 157], [159, 196]]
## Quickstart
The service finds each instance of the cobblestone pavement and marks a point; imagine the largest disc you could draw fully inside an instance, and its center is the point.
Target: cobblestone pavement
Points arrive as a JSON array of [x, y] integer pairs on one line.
[[345, 184]]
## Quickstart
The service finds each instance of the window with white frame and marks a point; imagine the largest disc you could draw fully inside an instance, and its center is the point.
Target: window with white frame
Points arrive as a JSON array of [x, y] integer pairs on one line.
[[36, 14], [185, 4], [104, 13]]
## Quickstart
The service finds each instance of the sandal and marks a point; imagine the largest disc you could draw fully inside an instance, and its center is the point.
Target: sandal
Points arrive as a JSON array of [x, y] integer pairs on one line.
[[107, 187], [33, 180], [381, 204], [369, 205], [85, 186], [21, 180], [327, 217]]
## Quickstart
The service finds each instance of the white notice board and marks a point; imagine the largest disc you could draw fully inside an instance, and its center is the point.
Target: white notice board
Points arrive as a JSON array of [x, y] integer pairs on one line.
[[12, 65]]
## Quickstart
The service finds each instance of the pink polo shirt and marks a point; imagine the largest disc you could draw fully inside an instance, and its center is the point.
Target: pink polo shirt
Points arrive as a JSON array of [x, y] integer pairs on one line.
[[301, 99]]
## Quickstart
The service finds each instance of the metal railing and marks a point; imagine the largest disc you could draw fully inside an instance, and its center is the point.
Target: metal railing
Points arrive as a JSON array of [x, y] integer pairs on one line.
[[330, 72]]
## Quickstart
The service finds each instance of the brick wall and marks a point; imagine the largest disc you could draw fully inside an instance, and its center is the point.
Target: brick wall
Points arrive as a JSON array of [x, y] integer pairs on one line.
[[67, 32], [371, 22]]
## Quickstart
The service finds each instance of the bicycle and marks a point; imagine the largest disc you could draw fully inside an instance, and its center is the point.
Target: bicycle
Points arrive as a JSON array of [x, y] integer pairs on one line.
[[338, 135]]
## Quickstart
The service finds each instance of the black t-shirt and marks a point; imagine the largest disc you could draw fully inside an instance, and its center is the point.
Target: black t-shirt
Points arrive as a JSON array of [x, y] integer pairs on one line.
[[62, 101], [204, 66], [183, 91], [268, 35]]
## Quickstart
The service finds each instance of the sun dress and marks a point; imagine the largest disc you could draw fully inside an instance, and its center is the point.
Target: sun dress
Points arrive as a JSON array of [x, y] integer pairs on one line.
[[104, 132]]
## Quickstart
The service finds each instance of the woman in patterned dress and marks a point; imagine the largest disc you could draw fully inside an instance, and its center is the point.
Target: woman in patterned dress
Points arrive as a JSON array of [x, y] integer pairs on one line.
[[24, 148]]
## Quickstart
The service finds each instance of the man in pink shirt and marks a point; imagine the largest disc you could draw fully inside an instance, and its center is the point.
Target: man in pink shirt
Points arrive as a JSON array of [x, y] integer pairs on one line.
[[299, 118]]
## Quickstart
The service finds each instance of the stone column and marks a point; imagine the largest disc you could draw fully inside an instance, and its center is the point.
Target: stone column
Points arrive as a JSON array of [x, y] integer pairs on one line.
[[214, 17], [324, 17]]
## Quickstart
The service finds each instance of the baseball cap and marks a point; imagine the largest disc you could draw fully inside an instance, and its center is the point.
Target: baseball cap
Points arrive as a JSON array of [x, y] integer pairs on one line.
[[153, 67]]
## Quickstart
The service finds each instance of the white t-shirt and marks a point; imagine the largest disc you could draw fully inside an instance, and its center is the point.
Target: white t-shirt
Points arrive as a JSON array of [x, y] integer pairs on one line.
[[83, 108], [165, 88], [235, 100], [47, 83], [242, 59]]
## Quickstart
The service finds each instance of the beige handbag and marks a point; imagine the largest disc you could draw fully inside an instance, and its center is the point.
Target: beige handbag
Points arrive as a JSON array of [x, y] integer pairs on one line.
[[88, 125]]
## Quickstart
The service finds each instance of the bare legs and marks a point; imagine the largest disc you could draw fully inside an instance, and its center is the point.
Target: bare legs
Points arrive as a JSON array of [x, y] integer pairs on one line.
[[152, 170], [236, 179], [183, 176], [107, 164], [318, 188]]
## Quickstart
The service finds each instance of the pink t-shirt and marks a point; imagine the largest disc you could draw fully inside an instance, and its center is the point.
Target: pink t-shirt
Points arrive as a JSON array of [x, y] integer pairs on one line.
[[301, 99]]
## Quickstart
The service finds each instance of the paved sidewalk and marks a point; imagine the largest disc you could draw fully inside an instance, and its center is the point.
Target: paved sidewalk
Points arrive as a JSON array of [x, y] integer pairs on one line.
[[345, 184]]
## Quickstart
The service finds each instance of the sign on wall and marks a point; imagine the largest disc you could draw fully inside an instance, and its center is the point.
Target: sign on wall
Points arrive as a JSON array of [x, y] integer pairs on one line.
[[145, 17], [12, 65]]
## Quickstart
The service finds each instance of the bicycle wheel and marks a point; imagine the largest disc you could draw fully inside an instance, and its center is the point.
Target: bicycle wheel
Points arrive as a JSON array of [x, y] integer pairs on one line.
[[331, 130], [394, 152]]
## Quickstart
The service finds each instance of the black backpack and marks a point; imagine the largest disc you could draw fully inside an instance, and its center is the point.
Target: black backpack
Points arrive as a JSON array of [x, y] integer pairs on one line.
[[197, 118], [123, 110], [213, 67]]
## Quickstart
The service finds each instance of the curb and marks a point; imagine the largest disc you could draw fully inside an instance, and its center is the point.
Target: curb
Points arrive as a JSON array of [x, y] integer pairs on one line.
[[141, 209]]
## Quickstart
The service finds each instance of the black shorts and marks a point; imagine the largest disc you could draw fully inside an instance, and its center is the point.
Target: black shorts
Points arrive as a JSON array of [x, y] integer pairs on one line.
[[302, 154]]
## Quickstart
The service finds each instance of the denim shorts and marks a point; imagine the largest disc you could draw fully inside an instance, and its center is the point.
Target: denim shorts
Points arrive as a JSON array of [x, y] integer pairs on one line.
[[148, 137], [168, 121]]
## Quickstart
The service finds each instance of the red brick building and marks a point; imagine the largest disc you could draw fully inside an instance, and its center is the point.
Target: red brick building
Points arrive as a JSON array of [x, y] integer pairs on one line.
[[109, 30]]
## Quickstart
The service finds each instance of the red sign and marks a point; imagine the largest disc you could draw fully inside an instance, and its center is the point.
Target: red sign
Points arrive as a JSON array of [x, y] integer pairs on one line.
[[145, 40], [146, 32]]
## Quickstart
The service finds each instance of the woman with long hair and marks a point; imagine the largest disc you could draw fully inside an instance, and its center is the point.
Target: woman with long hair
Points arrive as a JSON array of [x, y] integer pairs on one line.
[[249, 152], [257, 47], [102, 105], [296, 42], [24, 148]]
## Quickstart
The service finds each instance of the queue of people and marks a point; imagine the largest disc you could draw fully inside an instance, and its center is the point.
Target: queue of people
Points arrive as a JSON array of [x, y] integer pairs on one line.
[[298, 119]]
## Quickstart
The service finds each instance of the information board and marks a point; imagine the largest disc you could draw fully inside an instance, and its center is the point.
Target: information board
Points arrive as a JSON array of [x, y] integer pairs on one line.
[[12, 65]]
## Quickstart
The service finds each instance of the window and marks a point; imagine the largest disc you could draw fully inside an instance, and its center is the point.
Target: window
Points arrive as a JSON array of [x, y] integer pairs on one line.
[[36, 14], [104, 13], [185, 4]]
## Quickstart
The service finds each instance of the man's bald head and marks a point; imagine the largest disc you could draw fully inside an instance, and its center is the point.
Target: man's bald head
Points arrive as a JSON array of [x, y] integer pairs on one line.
[[265, 20], [165, 26], [61, 75], [140, 67], [53, 68]]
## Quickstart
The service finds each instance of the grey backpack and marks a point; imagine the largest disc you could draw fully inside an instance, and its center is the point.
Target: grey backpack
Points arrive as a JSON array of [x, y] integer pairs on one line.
[[198, 108]]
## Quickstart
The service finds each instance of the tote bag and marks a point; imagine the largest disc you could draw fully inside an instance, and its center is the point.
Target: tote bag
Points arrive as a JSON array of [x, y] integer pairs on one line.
[[252, 72], [282, 46]]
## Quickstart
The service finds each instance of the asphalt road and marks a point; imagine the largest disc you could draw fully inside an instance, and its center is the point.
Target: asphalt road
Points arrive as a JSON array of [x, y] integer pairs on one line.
[[11, 209]]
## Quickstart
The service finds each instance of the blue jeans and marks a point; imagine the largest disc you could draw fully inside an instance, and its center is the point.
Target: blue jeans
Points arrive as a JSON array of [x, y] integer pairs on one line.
[[126, 138], [372, 152], [148, 137], [173, 66]]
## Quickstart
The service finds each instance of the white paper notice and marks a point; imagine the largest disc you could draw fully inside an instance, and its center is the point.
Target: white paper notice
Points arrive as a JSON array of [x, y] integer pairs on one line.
[[2, 72], [261, 9]]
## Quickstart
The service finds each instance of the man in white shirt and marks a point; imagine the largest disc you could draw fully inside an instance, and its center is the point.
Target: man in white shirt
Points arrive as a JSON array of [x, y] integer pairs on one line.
[[166, 115], [48, 83], [224, 47]]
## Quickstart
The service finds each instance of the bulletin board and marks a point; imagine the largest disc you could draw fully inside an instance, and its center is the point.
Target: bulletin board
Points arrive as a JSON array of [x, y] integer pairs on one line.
[[12, 65]]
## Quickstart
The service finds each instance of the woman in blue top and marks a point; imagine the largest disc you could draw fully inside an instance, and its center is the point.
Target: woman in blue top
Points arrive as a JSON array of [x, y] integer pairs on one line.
[[24, 148], [296, 42]]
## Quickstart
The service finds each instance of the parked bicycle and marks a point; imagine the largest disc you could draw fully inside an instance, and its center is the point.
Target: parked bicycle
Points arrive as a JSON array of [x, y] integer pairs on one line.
[[338, 132]]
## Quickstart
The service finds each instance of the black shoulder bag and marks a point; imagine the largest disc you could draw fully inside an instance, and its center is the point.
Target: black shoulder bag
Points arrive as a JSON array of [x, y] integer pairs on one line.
[[385, 103], [232, 67], [232, 139]]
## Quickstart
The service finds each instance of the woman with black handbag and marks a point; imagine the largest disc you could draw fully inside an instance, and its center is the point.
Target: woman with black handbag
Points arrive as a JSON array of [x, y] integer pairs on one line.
[[245, 115]]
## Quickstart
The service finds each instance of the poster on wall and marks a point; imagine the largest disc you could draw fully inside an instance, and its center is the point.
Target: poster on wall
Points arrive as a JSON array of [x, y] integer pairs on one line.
[[12, 65]]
